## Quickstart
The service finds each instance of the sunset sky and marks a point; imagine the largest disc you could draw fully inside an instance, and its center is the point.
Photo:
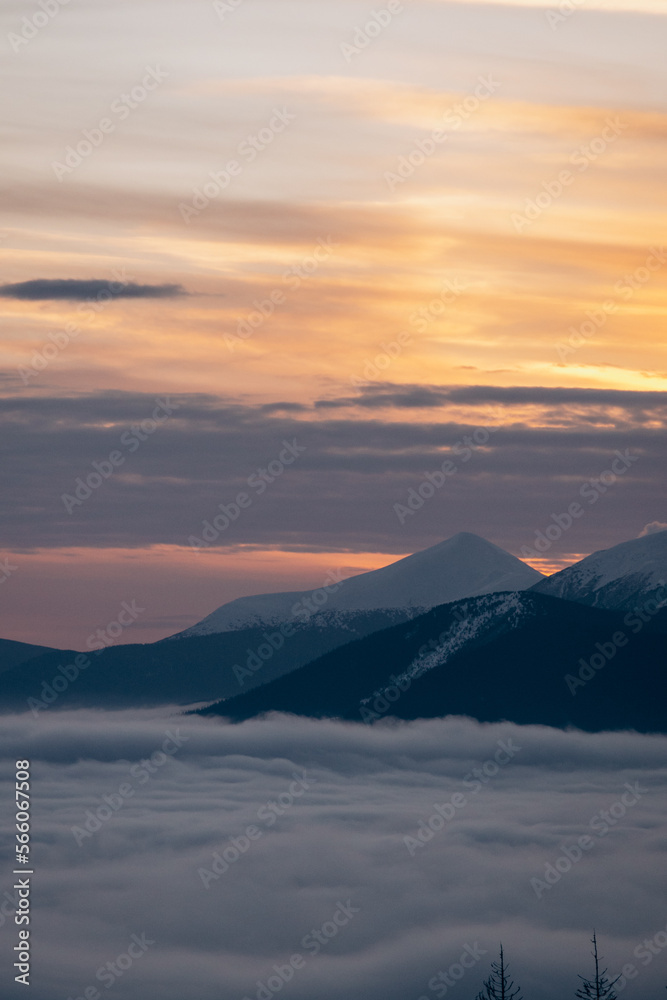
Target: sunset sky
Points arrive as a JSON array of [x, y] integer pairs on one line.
[[453, 226]]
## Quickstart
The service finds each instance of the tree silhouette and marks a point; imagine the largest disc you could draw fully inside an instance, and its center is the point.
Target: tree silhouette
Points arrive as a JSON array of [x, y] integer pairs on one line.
[[600, 988], [499, 986]]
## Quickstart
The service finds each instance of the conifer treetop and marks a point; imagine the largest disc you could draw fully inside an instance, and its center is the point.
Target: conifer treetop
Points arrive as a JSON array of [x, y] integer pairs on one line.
[[601, 987], [499, 985]]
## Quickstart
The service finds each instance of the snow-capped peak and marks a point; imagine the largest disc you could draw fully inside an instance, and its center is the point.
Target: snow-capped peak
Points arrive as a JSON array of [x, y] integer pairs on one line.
[[462, 566], [622, 577]]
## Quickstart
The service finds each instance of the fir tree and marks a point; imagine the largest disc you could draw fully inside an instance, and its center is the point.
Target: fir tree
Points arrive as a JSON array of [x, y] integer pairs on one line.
[[499, 986], [599, 988]]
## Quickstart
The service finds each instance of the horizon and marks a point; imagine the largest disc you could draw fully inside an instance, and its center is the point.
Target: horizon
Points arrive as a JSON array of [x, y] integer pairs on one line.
[[541, 564]]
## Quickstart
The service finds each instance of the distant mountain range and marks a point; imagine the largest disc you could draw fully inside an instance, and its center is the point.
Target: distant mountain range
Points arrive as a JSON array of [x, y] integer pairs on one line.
[[460, 628]]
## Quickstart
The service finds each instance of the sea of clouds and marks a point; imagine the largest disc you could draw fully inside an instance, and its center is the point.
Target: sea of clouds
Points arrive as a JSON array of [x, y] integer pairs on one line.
[[205, 855]]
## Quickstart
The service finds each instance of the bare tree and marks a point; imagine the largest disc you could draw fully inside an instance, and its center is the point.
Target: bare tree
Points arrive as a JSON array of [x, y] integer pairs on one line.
[[499, 986], [599, 988]]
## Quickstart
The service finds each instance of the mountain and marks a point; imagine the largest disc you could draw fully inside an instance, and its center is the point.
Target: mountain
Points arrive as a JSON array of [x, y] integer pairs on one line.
[[525, 657], [192, 671], [366, 649], [252, 641], [624, 577], [463, 566], [13, 654]]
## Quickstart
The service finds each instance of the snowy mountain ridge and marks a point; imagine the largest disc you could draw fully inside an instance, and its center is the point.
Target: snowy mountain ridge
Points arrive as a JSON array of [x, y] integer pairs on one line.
[[459, 567], [508, 608], [620, 578]]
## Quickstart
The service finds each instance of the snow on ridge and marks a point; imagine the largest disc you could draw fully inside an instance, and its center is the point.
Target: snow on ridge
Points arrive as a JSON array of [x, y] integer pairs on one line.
[[614, 577], [645, 557], [509, 606], [326, 618]]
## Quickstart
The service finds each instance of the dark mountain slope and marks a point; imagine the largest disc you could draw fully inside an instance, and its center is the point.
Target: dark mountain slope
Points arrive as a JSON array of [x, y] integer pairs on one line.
[[12, 653], [184, 671], [495, 657]]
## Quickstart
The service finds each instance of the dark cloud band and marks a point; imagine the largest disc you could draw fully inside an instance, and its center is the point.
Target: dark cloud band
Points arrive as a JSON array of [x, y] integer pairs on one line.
[[73, 290], [379, 396], [342, 491]]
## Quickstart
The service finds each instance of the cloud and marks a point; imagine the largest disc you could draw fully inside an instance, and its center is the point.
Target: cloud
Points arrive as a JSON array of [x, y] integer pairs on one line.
[[343, 839], [170, 482], [74, 290], [652, 528], [384, 395]]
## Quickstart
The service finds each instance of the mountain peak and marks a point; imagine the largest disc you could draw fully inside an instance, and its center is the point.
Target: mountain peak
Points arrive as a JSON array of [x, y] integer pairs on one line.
[[464, 565], [465, 540], [461, 538], [621, 577]]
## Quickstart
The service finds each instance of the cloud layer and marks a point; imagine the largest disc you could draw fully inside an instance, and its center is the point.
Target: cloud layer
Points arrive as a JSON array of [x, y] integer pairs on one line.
[[357, 458], [339, 836]]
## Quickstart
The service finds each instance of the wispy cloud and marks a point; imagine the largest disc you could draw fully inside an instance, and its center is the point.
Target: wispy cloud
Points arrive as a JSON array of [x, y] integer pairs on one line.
[[75, 290]]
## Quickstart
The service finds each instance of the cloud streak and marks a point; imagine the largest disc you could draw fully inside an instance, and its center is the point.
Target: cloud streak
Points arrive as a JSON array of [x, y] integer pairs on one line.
[[75, 290]]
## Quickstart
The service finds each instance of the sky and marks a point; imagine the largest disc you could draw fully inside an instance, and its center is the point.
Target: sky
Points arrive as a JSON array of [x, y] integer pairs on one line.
[[171, 861], [230, 228]]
